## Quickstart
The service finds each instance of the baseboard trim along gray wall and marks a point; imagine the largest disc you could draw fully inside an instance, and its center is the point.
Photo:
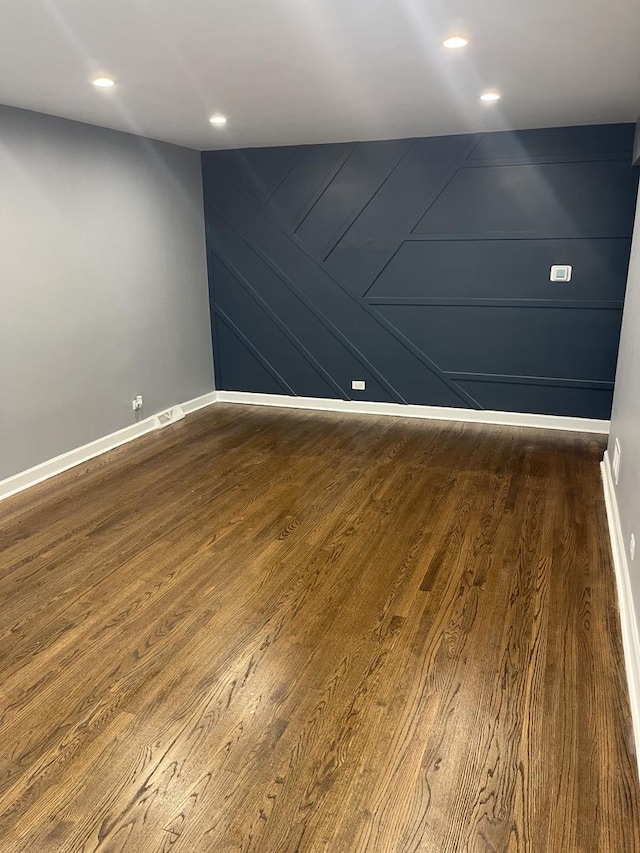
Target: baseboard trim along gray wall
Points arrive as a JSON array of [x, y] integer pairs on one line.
[[78, 455], [420, 267], [628, 621]]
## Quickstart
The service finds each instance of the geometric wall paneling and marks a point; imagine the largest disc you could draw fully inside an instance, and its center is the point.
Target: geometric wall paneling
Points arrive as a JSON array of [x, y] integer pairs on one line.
[[506, 269], [350, 320], [570, 401], [588, 199], [304, 183], [395, 209], [242, 368], [351, 188], [319, 346], [422, 267], [568, 143], [260, 170], [575, 344], [292, 363]]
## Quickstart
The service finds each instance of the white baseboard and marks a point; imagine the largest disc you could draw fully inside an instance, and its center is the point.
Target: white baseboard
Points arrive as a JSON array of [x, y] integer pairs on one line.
[[410, 411], [45, 470], [33, 476], [199, 402], [628, 624]]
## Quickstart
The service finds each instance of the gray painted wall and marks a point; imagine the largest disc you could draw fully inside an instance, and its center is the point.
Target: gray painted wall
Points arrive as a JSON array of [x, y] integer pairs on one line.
[[103, 291], [625, 422]]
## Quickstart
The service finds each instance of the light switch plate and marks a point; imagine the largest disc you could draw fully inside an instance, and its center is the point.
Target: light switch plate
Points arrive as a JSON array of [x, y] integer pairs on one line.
[[561, 272]]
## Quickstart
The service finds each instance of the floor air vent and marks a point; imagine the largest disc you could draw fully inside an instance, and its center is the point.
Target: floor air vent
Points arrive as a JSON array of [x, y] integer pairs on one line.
[[170, 416]]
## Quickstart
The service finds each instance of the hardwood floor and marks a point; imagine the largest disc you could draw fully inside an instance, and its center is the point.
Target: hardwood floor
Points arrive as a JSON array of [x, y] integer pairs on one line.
[[272, 630]]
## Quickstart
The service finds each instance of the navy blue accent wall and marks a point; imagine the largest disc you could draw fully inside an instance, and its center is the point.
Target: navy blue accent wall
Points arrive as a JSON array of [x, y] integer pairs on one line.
[[422, 267]]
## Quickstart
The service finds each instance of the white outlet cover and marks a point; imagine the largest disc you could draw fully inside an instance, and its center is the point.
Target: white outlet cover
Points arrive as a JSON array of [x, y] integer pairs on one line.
[[617, 454], [358, 384], [561, 272]]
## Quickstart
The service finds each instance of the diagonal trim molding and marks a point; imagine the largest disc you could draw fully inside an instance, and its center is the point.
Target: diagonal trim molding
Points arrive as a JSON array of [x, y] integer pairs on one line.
[[296, 242], [628, 624], [445, 376], [372, 194], [231, 326], [297, 343], [304, 298]]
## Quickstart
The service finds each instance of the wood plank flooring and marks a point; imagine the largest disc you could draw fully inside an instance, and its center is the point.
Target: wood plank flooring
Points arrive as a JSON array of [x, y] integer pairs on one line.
[[279, 631]]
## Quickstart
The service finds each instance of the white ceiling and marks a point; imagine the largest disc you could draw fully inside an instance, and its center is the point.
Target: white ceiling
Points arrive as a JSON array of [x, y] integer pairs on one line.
[[297, 71]]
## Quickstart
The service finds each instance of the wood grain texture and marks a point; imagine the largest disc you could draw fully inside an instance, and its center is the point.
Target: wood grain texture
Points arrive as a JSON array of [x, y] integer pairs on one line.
[[275, 631]]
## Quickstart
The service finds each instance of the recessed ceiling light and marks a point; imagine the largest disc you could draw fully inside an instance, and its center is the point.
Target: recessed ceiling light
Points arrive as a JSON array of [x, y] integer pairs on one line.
[[490, 97], [103, 82], [455, 42], [218, 120]]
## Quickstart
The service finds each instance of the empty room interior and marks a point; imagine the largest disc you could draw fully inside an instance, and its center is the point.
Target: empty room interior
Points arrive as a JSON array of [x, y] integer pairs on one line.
[[319, 426]]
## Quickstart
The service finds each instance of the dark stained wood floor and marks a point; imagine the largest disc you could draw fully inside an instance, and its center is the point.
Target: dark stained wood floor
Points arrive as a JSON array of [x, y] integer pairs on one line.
[[271, 630]]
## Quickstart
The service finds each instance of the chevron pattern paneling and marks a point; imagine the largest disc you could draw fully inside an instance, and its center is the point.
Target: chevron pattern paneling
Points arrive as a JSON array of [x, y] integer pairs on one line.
[[422, 267]]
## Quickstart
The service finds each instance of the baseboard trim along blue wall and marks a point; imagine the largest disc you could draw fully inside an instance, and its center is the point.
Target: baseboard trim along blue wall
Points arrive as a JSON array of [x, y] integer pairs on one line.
[[421, 268]]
